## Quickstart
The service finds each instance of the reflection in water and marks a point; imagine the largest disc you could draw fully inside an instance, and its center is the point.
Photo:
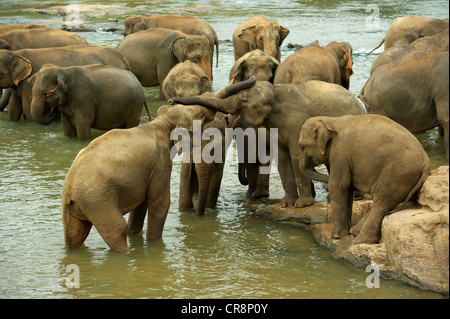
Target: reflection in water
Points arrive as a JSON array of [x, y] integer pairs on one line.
[[228, 253]]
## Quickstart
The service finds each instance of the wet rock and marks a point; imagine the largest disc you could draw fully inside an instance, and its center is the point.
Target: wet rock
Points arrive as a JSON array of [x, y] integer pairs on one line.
[[296, 216]]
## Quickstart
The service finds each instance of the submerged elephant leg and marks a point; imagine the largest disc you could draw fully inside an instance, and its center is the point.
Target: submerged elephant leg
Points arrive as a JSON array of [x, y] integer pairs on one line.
[[75, 230], [158, 205], [136, 218], [187, 182], [112, 227]]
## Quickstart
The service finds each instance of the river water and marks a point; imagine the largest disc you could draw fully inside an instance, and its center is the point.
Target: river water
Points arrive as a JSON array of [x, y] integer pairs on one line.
[[229, 252]]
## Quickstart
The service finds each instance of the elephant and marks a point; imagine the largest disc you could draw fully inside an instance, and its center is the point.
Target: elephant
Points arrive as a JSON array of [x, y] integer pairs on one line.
[[258, 32], [186, 24], [125, 171], [185, 79], [437, 42], [369, 153], [262, 66], [256, 63], [12, 27], [405, 30], [98, 96], [412, 91], [284, 107], [34, 38], [21, 64], [153, 52], [331, 63]]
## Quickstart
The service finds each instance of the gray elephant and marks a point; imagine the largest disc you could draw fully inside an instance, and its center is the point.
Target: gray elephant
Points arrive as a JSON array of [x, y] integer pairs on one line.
[[185, 79], [263, 67], [92, 96], [125, 171], [405, 30], [413, 92], [186, 24], [369, 153], [261, 33], [19, 65], [153, 53], [254, 63], [284, 107], [33, 38], [331, 63]]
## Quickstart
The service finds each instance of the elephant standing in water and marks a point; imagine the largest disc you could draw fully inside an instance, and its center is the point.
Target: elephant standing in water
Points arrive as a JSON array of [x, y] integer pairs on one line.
[[98, 96], [405, 30], [19, 65], [413, 92], [331, 63], [369, 153], [186, 24], [285, 108], [261, 33], [263, 67], [153, 53], [124, 171]]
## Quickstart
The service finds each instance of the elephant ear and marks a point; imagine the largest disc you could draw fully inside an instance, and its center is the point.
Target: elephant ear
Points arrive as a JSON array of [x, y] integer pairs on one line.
[[249, 35], [169, 86], [284, 32], [20, 69], [322, 134], [138, 24], [177, 48], [205, 85], [237, 72]]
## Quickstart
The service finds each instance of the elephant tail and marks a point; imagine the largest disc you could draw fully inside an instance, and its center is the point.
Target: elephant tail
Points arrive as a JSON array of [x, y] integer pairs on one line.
[[379, 45], [423, 177], [146, 108]]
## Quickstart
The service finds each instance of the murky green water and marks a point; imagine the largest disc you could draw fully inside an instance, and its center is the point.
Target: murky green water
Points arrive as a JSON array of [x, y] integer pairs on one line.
[[229, 253]]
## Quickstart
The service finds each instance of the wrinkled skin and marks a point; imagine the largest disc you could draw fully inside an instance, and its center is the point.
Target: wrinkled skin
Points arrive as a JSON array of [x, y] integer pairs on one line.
[[369, 153], [20, 65], [331, 63], [285, 107], [135, 179], [186, 79], [34, 38], [413, 92], [153, 53], [437, 42], [85, 99], [202, 176], [261, 33], [405, 30], [262, 66], [186, 24]]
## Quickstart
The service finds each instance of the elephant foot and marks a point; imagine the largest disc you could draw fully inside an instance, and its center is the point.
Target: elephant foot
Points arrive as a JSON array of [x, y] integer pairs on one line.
[[363, 238], [338, 233], [260, 194], [304, 201]]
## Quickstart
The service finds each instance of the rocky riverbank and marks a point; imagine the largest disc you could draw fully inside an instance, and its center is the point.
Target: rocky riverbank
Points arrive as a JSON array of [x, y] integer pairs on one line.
[[414, 245]]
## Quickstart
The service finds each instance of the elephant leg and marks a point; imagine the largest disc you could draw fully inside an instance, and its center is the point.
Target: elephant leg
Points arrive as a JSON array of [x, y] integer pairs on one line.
[[15, 109], [443, 118], [262, 184], [75, 230], [341, 196], [136, 218], [83, 128], [112, 227], [158, 205], [68, 129], [287, 178], [204, 175], [5, 98], [370, 232], [214, 185], [187, 184], [252, 177]]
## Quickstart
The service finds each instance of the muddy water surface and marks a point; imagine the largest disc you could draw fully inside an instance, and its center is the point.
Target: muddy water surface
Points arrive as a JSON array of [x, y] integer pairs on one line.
[[229, 253]]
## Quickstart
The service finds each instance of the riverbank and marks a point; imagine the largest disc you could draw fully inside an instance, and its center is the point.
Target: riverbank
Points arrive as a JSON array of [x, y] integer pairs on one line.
[[414, 245]]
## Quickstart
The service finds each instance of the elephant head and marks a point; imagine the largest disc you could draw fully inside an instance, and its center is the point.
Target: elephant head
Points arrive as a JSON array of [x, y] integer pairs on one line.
[[343, 51], [194, 48], [250, 99], [256, 63], [134, 24], [266, 36], [13, 69], [314, 141], [49, 93], [186, 79]]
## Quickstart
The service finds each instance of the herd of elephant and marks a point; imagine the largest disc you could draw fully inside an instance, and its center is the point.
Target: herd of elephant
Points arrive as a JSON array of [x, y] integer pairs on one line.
[[47, 73]]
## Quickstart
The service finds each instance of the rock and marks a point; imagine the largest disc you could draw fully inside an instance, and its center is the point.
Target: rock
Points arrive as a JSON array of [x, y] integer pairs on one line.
[[434, 192], [296, 216]]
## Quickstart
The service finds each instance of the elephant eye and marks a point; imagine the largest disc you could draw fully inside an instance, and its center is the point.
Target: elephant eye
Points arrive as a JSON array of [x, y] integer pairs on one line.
[[260, 38]]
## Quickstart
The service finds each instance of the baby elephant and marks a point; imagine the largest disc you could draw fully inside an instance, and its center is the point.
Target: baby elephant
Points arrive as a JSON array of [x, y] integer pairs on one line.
[[92, 96], [369, 153], [124, 171]]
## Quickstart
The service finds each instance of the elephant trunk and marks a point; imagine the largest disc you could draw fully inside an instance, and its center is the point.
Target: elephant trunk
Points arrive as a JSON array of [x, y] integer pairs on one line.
[[39, 114], [236, 87], [309, 171]]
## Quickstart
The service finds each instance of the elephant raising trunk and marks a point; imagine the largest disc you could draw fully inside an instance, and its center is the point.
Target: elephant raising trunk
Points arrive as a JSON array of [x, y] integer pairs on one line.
[[212, 102]]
